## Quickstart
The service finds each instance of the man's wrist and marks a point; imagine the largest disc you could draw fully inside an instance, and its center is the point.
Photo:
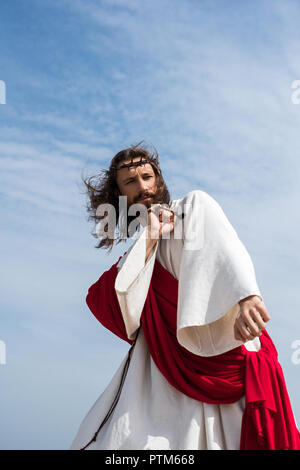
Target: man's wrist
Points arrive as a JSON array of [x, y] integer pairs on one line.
[[152, 236], [150, 243], [149, 249], [250, 297]]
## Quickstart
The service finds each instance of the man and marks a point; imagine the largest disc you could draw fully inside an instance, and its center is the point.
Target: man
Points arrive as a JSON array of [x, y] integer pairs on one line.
[[202, 372]]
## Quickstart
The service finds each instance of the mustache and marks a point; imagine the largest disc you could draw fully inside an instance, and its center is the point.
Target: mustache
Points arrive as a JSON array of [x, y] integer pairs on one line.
[[143, 195]]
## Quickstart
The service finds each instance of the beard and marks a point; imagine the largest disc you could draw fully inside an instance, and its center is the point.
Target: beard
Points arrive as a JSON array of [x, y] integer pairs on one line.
[[156, 197]]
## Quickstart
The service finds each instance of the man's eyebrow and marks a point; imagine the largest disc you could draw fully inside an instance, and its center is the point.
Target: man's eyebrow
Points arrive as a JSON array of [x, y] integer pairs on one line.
[[128, 178], [146, 172]]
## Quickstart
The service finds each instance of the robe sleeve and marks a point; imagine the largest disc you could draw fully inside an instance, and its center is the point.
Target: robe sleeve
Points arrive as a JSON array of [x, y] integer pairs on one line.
[[133, 281], [216, 272]]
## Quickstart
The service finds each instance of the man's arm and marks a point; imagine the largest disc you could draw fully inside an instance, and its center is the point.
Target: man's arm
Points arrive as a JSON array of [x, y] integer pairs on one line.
[[150, 244], [134, 277], [215, 275]]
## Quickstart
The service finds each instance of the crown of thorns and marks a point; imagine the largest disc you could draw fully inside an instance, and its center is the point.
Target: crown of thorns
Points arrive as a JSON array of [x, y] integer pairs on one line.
[[142, 161]]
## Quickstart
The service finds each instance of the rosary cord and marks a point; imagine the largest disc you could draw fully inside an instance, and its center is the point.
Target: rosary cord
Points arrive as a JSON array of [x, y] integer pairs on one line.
[[116, 399]]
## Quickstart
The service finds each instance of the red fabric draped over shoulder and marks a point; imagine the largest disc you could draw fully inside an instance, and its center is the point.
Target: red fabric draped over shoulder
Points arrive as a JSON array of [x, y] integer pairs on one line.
[[103, 302]]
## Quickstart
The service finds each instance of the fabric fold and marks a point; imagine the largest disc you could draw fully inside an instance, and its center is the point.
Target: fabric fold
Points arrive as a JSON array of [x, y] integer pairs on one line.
[[216, 272], [132, 282], [103, 303], [268, 420]]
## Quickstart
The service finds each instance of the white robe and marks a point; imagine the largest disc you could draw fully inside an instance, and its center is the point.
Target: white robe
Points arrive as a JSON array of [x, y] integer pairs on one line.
[[214, 271]]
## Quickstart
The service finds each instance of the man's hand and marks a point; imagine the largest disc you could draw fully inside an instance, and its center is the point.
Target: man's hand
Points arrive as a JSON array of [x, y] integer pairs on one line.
[[160, 221], [251, 319]]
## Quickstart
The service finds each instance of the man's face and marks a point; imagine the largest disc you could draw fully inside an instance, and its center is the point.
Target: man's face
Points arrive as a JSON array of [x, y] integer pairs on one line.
[[137, 183]]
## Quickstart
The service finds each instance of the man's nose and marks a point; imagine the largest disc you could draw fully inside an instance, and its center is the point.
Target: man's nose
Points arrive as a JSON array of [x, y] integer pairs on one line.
[[142, 184]]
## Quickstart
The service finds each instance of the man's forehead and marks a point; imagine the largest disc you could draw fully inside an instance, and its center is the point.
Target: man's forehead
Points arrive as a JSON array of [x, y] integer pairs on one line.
[[131, 166]]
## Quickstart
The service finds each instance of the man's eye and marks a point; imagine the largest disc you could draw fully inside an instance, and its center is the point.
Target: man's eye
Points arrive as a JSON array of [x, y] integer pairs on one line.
[[146, 177]]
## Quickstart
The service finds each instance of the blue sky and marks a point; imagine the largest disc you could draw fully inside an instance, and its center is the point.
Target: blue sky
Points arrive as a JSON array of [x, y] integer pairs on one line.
[[208, 83]]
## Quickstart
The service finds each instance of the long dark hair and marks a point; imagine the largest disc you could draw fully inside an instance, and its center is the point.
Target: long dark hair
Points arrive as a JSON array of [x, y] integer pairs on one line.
[[103, 189]]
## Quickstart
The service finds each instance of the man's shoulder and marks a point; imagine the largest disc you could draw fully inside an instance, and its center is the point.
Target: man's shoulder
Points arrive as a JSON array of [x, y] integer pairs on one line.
[[198, 200], [197, 195]]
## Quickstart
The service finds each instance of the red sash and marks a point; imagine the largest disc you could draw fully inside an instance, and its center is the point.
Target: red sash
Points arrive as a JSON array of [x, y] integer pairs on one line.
[[268, 420]]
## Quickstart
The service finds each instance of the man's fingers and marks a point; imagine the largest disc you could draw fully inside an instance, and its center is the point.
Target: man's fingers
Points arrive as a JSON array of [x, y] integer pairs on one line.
[[254, 329], [243, 330], [257, 318], [260, 306], [246, 321], [251, 321], [263, 312], [237, 334]]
